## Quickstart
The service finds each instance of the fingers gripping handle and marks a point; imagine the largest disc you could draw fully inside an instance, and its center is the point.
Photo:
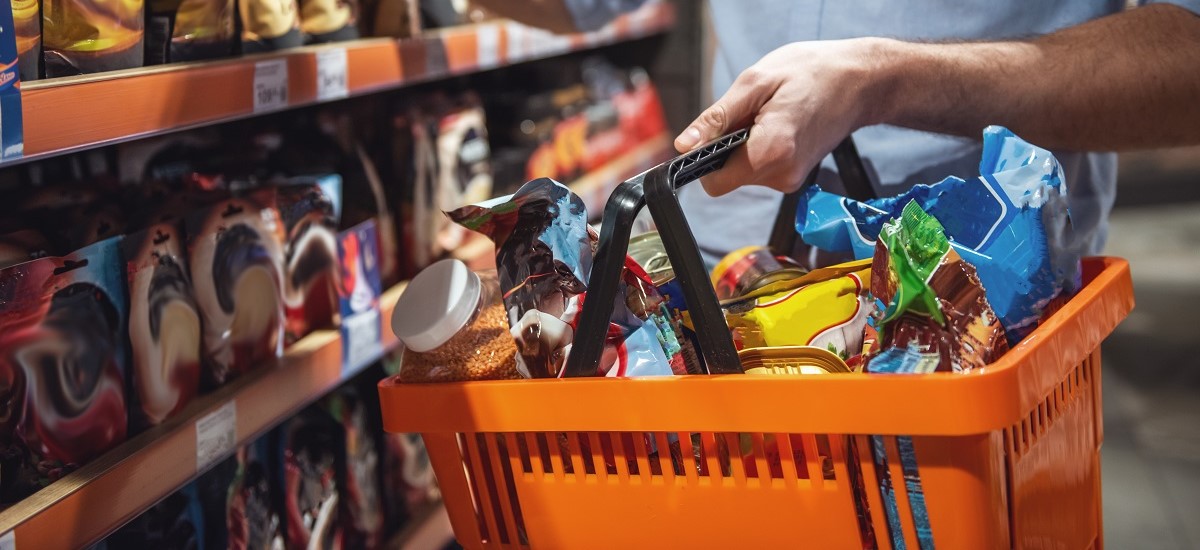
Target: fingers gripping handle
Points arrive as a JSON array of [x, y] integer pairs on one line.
[[657, 187]]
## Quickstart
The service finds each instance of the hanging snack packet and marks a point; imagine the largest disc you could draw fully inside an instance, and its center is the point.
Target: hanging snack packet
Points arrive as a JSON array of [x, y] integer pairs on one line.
[[825, 308], [544, 258], [1011, 223], [937, 317], [309, 208]]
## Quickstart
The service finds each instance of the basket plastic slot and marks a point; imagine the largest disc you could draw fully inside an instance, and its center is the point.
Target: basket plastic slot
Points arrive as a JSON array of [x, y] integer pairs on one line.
[[579, 469], [522, 455], [535, 442], [870, 475], [666, 466], [900, 488], [479, 486], [787, 460], [708, 446], [487, 483], [619, 453], [554, 447], [761, 465], [643, 459], [812, 456], [689, 458], [510, 508], [737, 468]]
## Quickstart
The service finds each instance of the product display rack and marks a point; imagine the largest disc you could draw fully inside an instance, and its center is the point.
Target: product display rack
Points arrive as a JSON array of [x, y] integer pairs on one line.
[[89, 503], [70, 114]]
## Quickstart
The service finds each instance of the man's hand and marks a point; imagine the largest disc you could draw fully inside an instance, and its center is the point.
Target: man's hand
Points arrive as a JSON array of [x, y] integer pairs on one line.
[[1126, 81], [801, 100]]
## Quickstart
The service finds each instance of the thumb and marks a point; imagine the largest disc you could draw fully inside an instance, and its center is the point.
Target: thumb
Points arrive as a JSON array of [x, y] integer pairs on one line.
[[735, 109]]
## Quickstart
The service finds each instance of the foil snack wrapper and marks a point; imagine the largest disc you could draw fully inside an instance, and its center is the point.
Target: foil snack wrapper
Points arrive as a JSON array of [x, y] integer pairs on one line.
[[63, 361], [544, 253], [310, 209], [305, 466], [235, 252], [1011, 223], [164, 325], [91, 36]]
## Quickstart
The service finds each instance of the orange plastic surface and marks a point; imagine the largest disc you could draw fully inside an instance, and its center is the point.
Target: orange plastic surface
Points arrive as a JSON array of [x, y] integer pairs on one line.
[[1008, 455]]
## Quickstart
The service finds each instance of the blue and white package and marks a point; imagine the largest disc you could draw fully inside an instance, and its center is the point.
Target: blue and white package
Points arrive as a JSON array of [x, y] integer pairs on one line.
[[1011, 223]]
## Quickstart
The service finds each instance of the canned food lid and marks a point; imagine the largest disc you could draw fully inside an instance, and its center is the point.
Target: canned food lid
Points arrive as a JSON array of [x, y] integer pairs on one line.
[[437, 303]]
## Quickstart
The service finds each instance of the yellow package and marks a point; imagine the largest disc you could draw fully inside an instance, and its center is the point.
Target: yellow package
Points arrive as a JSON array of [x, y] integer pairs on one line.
[[826, 308]]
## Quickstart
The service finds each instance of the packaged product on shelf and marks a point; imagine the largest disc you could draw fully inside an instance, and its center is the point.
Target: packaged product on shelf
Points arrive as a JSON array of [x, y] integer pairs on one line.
[[235, 252], [453, 326], [464, 170], [310, 209], [358, 291], [175, 523], [361, 497], [81, 37], [63, 356], [21, 246], [307, 447], [937, 317], [188, 30], [826, 308], [164, 325], [240, 500], [27, 28], [407, 473], [413, 189], [544, 257], [393, 18], [1011, 223], [328, 20], [270, 25]]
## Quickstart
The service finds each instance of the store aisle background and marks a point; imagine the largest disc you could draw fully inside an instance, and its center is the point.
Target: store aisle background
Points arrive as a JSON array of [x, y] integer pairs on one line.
[[1151, 452]]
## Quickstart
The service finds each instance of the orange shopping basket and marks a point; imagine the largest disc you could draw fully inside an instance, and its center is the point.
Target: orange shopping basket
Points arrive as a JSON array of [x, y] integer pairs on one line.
[[1007, 456]]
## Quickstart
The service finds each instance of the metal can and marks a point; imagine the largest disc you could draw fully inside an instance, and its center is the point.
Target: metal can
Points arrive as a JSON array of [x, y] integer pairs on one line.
[[751, 268], [791, 360]]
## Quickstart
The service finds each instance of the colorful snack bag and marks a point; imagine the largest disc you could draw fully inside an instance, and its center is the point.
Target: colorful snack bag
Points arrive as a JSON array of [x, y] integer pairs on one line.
[[826, 308], [309, 208], [328, 20], [81, 37], [235, 251], [270, 25], [252, 517], [305, 467], [63, 363], [544, 258], [361, 503], [188, 30], [164, 325], [937, 316], [27, 26], [1011, 223]]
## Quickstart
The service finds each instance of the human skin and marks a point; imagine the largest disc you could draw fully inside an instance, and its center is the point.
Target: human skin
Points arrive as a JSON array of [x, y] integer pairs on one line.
[[1123, 82]]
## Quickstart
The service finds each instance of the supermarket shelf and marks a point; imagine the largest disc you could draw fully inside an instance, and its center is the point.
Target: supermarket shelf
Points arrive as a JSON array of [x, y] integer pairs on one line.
[[63, 115], [594, 188], [89, 503]]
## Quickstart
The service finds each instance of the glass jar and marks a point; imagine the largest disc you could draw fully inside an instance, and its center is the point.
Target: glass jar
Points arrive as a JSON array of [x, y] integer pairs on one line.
[[453, 326]]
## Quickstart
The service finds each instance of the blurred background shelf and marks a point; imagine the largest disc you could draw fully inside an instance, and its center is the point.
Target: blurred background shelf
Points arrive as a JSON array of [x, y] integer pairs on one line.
[[69, 114], [87, 504]]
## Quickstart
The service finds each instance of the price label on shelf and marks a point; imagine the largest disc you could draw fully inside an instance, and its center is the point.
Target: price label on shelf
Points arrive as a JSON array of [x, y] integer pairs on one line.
[[8, 541], [270, 85], [216, 435], [331, 74], [487, 40]]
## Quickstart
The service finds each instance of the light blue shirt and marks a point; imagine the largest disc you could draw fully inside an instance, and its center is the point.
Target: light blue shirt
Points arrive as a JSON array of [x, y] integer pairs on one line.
[[896, 158]]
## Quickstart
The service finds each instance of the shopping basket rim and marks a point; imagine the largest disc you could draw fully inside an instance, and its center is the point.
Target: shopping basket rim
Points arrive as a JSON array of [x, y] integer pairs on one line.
[[994, 397]]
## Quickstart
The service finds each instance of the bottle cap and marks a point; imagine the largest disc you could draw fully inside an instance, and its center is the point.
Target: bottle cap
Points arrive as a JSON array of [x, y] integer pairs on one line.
[[437, 303]]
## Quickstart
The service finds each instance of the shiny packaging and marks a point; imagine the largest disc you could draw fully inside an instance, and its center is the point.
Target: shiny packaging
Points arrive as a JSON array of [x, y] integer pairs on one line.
[[310, 209], [63, 363], [306, 455], [235, 252], [82, 36], [164, 325], [188, 30]]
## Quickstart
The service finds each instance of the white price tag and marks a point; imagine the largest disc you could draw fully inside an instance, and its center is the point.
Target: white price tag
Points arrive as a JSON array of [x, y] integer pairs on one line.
[[517, 39], [362, 340], [331, 74], [270, 85], [8, 541], [488, 43], [216, 435]]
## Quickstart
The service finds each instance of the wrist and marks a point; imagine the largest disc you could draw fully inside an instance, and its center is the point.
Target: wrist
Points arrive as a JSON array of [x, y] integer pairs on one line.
[[885, 66]]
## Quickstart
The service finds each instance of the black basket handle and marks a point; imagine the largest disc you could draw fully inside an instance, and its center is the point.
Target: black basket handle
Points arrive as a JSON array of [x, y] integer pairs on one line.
[[854, 178], [656, 187]]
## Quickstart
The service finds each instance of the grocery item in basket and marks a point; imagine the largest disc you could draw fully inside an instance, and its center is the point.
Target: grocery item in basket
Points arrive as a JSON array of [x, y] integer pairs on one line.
[[1011, 223], [309, 209], [269, 25], [647, 251], [937, 317], [305, 467], [328, 20], [63, 363], [826, 308], [751, 268], [27, 27], [235, 252], [453, 327], [164, 325], [361, 499], [188, 30], [80, 37], [792, 360], [175, 523], [21, 246], [544, 258]]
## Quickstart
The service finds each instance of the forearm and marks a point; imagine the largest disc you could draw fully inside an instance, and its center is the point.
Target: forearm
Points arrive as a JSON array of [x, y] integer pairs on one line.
[[1127, 81]]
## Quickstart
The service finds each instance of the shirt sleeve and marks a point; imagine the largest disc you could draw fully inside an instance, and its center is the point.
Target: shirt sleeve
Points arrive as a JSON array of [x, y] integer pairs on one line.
[[1190, 5], [590, 15]]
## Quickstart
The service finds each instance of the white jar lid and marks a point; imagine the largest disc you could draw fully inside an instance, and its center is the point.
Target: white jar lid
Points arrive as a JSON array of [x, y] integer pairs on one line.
[[437, 303]]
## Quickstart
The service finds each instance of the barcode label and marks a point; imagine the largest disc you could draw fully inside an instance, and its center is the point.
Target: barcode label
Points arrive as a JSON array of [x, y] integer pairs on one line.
[[270, 85], [216, 435]]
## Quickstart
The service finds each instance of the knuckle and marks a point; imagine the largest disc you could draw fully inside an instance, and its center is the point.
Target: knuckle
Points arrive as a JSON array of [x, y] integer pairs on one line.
[[715, 117]]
